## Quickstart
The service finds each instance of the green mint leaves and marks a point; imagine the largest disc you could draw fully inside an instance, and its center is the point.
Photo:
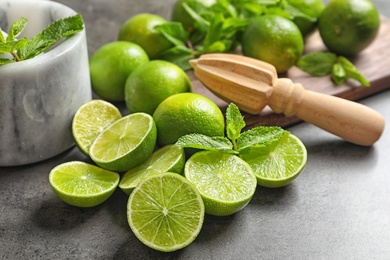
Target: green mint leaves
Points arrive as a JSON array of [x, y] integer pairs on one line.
[[263, 138], [24, 48], [325, 63]]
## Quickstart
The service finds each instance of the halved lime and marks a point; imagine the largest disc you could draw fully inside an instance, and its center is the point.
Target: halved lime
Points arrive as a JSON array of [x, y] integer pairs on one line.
[[225, 181], [165, 212], [81, 184], [126, 143], [170, 158], [280, 166], [90, 120]]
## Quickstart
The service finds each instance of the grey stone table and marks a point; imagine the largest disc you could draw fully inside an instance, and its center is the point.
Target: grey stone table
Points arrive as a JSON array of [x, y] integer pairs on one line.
[[339, 208]]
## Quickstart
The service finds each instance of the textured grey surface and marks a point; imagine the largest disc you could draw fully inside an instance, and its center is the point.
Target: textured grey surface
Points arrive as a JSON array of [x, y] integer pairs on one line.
[[338, 208]]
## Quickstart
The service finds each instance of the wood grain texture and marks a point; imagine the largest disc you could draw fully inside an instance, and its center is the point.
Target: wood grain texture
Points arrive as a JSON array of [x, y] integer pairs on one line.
[[373, 63]]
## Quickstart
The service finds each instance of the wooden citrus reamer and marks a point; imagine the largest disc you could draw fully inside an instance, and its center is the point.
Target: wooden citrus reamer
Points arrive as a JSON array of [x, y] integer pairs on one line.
[[252, 84]]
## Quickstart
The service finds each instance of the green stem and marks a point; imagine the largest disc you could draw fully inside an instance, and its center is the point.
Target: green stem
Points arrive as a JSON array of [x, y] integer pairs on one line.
[[235, 148]]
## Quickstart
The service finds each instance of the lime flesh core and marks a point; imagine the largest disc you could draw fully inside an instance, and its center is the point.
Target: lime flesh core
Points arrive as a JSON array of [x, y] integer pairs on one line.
[[126, 143], [225, 181], [81, 184], [90, 120], [279, 167], [165, 212], [169, 158]]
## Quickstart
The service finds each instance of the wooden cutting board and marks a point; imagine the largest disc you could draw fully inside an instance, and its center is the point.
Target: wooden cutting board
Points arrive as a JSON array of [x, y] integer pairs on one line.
[[373, 63]]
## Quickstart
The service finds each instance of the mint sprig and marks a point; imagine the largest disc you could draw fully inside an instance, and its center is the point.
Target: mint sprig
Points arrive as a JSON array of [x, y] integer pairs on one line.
[[328, 63], [24, 48], [263, 138]]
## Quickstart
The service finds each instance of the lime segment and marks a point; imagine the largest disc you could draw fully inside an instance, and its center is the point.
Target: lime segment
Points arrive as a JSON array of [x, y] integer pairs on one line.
[[225, 181], [81, 184], [280, 166], [90, 120], [126, 143], [170, 158], [165, 212]]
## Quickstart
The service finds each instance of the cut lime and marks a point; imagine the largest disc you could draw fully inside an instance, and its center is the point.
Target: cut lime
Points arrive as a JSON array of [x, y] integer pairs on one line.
[[81, 184], [170, 158], [225, 181], [126, 143], [165, 212], [90, 120], [280, 166]]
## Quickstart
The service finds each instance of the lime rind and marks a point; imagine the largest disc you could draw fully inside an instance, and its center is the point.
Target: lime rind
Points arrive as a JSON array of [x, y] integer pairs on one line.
[[81, 184], [282, 165], [126, 143], [165, 212], [169, 158], [90, 120], [225, 182]]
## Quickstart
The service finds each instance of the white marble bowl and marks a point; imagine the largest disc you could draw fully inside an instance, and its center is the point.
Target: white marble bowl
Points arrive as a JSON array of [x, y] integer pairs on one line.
[[39, 96]]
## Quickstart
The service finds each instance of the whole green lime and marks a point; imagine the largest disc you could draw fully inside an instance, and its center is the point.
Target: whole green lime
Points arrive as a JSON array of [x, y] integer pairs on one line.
[[111, 65], [348, 26], [153, 82], [180, 14], [273, 39], [187, 113], [310, 12], [140, 29]]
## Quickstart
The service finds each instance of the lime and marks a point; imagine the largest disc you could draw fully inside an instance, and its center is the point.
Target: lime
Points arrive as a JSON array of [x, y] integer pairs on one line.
[[110, 66], [126, 143], [187, 113], [180, 14], [90, 120], [310, 11], [225, 181], [348, 26], [273, 39], [153, 82], [170, 158], [81, 184], [165, 212], [280, 166], [140, 29]]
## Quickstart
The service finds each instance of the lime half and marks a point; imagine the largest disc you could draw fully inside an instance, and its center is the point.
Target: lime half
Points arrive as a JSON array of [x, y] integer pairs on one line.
[[90, 120], [81, 184], [225, 181], [126, 143], [280, 166], [170, 158], [165, 212]]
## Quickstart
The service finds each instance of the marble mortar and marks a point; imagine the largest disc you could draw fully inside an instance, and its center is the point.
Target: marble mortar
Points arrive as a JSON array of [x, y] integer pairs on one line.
[[39, 96]]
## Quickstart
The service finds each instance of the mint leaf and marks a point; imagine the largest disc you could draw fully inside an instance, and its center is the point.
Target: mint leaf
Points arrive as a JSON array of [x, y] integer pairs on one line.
[[338, 74], [174, 32], [11, 46], [50, 35], [264, 137], [204, 142], [234, 122], [317, 63], [16, 28], [200, 23], [179, 55], [2, 39], [5, 61], [297, 9], [352, 72]]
